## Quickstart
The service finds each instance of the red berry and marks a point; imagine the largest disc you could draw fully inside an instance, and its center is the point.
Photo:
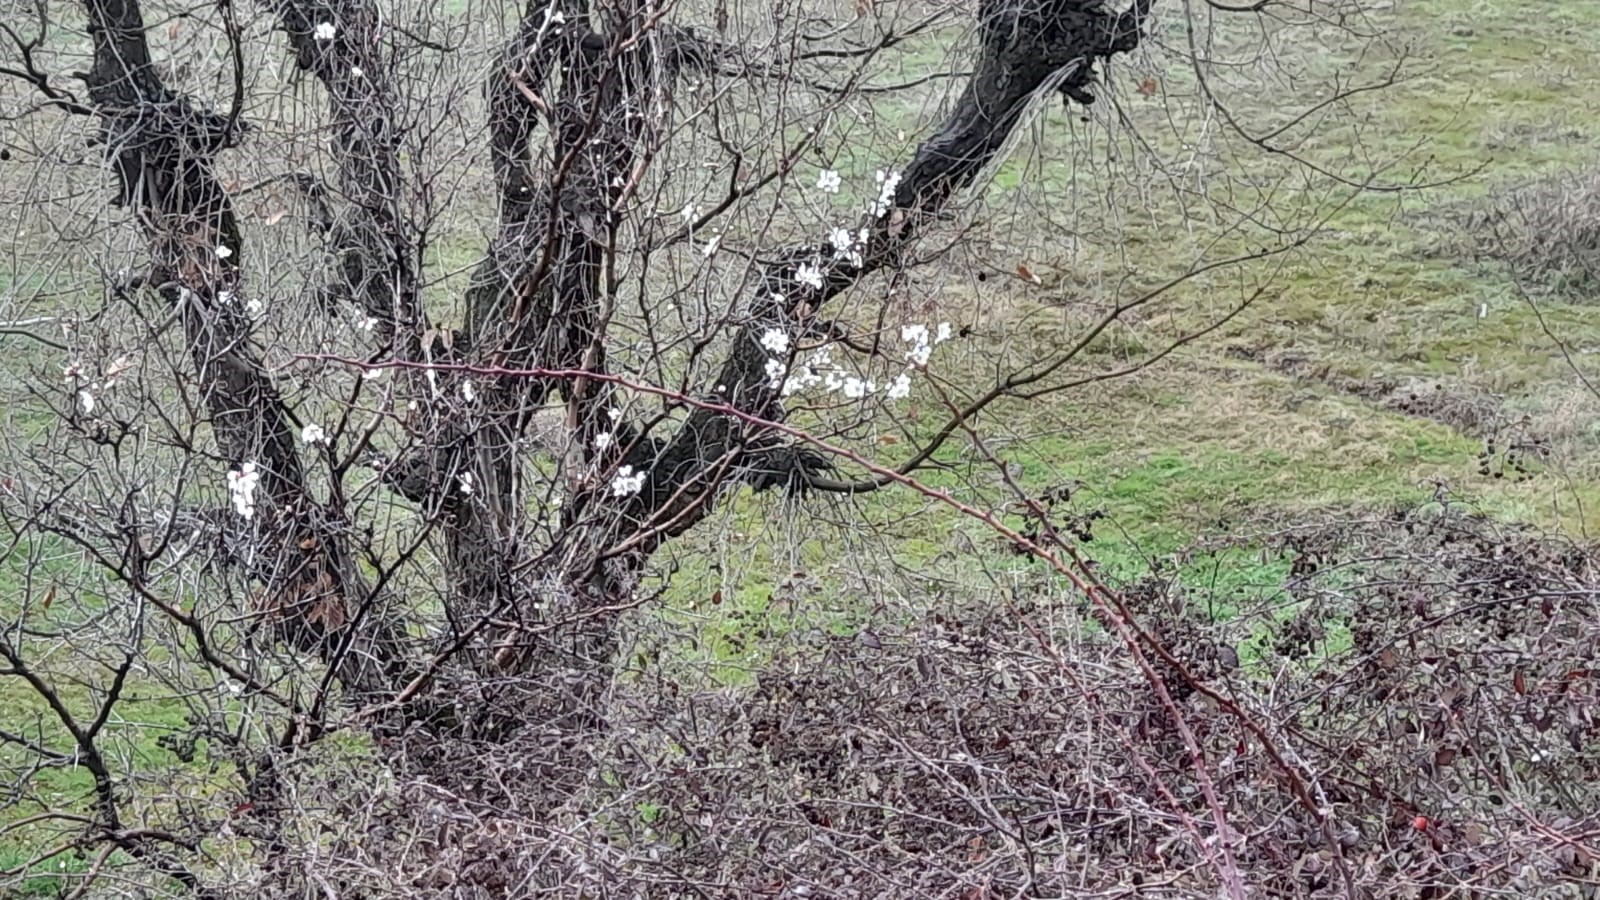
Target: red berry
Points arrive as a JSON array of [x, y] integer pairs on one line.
[[1420, 823]]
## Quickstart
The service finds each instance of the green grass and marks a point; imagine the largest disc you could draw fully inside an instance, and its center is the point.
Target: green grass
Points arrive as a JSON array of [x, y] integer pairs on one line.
[[1209, 443]]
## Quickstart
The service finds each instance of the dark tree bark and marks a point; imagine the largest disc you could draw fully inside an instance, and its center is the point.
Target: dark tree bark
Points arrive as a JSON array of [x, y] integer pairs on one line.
[[539, 301], [370, 233], [1026, 49], [161, 146]]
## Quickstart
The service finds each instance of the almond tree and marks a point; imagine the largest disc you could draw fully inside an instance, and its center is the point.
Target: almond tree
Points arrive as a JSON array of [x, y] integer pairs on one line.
[[467, 588]]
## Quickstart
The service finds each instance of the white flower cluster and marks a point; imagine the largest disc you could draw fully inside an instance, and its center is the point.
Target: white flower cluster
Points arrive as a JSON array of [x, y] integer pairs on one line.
[[810, 275], [819, 368], [626, 482], [775, 341], [847, 246], [312, 433], [921, 344], [242, 484], [888, 182], [252, 307], [325, 31]]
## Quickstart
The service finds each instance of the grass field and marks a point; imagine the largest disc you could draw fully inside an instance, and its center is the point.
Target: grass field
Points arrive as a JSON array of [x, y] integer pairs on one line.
[[1384, 363]]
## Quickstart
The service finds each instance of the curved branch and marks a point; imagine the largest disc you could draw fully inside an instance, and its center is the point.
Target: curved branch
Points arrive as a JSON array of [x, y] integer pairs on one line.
[[1027, 48]]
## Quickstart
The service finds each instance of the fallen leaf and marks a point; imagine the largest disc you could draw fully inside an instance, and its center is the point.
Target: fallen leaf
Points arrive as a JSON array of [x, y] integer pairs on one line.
[[276, 216], [1148, 87], [1026, 273]]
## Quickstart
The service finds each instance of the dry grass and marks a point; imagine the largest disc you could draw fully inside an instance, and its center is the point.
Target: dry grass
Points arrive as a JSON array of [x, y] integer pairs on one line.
[[1548, 231]]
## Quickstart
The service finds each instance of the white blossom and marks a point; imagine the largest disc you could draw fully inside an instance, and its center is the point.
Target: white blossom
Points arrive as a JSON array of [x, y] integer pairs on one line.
[[856, 388], [371, 374], [809, 275], [223, 252], [468, 392], [900, 388], [844, 245], [626, 483], [86, 400], [776, 340], [921, 347], [690, 212], [253, 308], [711, 247], [312, 433], [356, 71], [242, 484], [828, 181], [325, 31], [465, 480], [802, 378], [602, 440], [944, 333], [367, 323], [776, 370], [888, 182]]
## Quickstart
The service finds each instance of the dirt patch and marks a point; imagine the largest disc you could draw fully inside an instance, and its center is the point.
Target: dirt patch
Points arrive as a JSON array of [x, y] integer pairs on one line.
[[1448, 402]]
